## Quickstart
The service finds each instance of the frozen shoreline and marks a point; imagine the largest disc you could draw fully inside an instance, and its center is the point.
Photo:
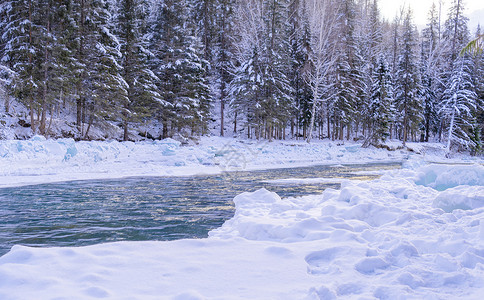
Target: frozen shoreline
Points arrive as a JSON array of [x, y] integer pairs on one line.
[[37, 160]]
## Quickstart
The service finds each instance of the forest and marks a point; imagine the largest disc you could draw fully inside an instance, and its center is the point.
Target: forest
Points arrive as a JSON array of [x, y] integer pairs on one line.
[[259, 69]]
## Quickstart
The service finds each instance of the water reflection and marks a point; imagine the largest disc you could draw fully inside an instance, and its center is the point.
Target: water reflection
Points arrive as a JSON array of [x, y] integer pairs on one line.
[[155, 208]]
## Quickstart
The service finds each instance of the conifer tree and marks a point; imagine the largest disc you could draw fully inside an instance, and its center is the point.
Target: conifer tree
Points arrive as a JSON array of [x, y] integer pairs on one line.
[[102, 91], [300, 39], [21, 49], [177, 62], [459, 106], [142, 91], [381, 101], [224, 56], [408, 84]]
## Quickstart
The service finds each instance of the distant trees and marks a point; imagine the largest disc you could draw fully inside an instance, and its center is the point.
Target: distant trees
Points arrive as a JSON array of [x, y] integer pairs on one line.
[[272, 68]]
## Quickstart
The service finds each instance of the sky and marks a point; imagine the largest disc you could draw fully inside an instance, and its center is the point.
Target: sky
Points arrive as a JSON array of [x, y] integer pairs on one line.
[[474, 10]]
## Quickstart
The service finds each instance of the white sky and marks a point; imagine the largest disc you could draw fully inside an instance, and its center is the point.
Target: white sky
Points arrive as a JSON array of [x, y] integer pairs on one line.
[[420, 8]]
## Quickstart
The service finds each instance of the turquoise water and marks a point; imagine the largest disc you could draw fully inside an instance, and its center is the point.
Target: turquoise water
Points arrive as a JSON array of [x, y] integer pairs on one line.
[[89, 212]]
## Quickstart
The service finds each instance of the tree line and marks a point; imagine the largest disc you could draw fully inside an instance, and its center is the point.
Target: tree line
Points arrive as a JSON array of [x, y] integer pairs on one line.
[[262, 68]]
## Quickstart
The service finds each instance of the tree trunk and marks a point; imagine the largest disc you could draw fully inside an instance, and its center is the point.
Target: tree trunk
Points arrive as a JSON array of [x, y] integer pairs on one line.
[[222, 108]]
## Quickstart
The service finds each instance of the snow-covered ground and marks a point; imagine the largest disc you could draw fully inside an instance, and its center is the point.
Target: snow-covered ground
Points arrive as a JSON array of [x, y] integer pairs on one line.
[[415, 233]]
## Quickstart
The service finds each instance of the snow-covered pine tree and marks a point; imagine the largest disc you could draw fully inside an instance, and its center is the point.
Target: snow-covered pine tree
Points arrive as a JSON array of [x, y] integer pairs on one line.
[[204, 14], [323, 19], [21, 50], [102, 91], [478, 76], [6, 76], [224, 53], [348, 82], [277, 91], [381, 101], [245, 92], [368, 37], [431, 62], [263, 66], [65, 69], [143, 94], [344, 95], [407, 98], [177, 62], [300, 39], [460, 105], [196, 99], [455, 32]]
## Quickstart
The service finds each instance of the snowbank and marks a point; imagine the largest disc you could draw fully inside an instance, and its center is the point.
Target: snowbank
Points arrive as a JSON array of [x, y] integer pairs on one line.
[[38, 160], [397, 237]]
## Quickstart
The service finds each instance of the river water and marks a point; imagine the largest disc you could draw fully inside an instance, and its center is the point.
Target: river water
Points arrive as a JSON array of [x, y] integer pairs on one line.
[[79, 213]]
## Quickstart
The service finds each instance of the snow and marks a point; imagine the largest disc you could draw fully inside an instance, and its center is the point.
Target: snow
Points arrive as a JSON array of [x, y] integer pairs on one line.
[[414, 233], [37, 160]]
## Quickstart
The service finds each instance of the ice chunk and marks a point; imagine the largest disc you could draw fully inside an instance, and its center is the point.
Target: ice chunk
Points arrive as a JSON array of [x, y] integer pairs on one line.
[[442, 177]]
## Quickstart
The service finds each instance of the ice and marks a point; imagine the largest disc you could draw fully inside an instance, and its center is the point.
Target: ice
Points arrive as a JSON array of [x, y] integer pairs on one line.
[[414, 233], [442, 177]]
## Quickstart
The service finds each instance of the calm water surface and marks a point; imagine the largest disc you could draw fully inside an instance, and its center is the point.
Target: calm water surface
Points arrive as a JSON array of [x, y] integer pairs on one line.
[[89, 212]]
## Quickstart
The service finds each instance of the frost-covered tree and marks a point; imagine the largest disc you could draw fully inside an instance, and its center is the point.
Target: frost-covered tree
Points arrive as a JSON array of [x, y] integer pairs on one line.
[[141, 82], [459, 106], [369, 36], [177, 62], [300, 39], [431, 69], [224, 53], [21, 50], [271, 56], [381, 102], [323, 19], [246, 95], [456, 32], [408, 102], [101, 89]]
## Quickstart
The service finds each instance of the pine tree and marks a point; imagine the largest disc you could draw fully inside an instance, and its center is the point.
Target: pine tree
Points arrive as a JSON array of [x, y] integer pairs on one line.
[[380, 103], [408, 84], [456, 32], [300, 39], [21, 50], [264, 68], [245, 91], [177, 62], [102, 90], [478, 78], [431, 62], [142, 91], [224, 56], [459, 106]]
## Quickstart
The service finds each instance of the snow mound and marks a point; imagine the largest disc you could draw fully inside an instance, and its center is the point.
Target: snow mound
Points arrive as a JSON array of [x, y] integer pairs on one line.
[[442, 177], [460, 197]]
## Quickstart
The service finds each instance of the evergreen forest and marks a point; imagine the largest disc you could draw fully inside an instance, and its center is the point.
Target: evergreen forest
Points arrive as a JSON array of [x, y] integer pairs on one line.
[[258, 69]]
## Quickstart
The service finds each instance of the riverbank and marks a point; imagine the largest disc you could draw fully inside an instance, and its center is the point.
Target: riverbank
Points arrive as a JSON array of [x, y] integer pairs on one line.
[[35, 161]]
